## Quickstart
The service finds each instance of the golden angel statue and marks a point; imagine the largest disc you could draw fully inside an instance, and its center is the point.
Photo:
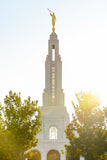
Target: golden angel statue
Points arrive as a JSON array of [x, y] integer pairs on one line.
[[53, 20]]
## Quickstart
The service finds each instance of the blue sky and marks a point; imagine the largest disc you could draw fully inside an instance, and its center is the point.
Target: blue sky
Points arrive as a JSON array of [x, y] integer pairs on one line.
[[81, 26]]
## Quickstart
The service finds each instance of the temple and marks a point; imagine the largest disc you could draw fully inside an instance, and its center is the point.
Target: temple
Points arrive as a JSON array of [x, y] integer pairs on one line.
[[54, 115]]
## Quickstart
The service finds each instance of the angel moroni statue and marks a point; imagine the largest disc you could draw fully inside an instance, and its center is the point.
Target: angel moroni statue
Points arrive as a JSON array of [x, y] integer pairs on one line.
[[53, 20]]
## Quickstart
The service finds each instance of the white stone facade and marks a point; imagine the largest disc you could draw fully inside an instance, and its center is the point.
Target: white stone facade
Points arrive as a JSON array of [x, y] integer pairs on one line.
[[54, 115]]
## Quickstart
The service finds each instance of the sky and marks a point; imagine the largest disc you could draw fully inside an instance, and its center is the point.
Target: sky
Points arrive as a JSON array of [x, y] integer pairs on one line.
[[25, 27]]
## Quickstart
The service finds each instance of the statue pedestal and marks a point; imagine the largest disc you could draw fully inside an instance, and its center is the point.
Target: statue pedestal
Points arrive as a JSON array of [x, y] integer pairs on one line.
[[53, 29]]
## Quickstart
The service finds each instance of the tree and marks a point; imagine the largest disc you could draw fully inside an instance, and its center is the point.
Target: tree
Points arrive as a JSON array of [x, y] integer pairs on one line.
[[33, 155], [20, 126], [87, 130]]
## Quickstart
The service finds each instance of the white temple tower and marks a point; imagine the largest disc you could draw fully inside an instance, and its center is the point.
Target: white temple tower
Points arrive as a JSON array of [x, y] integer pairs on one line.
[[54, 115]]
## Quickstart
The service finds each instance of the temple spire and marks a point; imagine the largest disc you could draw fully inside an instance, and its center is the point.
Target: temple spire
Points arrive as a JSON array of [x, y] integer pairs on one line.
[[53, 93]]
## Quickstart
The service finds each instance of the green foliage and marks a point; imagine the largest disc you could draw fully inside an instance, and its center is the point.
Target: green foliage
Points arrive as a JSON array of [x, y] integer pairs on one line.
[[33, 155], [19, 127], [87, 130]]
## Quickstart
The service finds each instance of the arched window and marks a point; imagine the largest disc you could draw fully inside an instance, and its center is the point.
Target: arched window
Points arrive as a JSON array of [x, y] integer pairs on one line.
[[53, 154], [53, 132]]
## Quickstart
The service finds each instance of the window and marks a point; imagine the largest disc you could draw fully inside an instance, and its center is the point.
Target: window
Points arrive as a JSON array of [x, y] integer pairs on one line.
[[53, 132], [53, 54]]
